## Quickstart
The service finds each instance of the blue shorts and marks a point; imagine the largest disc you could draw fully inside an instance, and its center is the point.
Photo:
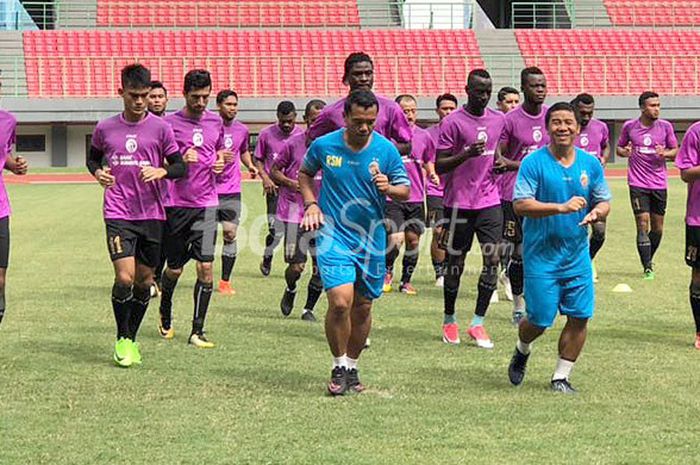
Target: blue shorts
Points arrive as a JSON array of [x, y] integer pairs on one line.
[[365, 271], [569, 296]]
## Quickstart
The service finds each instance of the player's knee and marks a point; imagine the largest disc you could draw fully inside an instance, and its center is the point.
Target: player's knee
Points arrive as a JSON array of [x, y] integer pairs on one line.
[[599, 231], [297, 268], [642, 237], [124, 278], [230, 248], [229, 236], [173, 273], [205, 272]]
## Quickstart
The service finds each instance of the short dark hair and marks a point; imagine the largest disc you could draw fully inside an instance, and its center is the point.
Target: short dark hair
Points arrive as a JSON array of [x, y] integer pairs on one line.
[[136, 76], [506, 91], [285, 107], [479, 72], [159, 85], [561, 106], [353, 59], [445, 96], [224, 94], [584, 98], [361, 98], [315, 103], [529, 71], [403, 97], [197, 79], [646, 95]]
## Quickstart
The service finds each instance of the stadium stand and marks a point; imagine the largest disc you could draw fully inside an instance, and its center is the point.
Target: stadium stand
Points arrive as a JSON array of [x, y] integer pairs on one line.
[[654, 12]]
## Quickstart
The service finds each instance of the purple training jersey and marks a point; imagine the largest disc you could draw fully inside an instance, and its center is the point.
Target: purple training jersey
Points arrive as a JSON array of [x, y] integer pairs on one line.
[[290, 204], [472, 185], [593, 139], [197, 189], [236, 141], [8, 125], [391, 122], [646, 169], [433, 190], [422, 152], [522, 135], [128, 147], [271, 141], [689, 157]]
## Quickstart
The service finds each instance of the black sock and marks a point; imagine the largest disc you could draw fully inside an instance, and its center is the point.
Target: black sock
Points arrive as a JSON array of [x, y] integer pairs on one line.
[[515, 273], [291, 277], [437, 266], [695, 306], [391, 256], [453, 275], [167, 287], [139, 304], [121, 304], [202, 296], [486, 287], [228, 260], [410, 260], [595, 243], [2, 304], [450, 298], [654, 240], [315, 289], [644, 249]]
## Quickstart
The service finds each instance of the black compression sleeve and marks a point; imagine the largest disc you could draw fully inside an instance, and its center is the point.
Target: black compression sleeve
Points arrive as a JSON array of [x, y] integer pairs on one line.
[[176, 166], [94, 160]]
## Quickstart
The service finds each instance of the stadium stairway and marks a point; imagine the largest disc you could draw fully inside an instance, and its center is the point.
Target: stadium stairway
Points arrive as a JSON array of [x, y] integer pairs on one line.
[[14, 76], [501, 55], [590, 14], [377, 14]]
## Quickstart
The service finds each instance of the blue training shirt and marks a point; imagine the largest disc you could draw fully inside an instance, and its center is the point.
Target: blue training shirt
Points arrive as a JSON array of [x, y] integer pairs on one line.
[[556, 246], [349, 199]]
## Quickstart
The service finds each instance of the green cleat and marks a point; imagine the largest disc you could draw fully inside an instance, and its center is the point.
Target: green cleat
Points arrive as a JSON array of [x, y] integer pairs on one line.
[[123, 353], [135, 353], [649, 275]]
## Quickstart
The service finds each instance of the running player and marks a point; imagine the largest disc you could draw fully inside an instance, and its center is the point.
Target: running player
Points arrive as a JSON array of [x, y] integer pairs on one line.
[[135, 145], [360, 168], [648, 142], [508, 99], [17, 165], [298, 243], [466, 154], [405, 220], [688, 161], [191, 212], [593, 139], [444, 105], [524, 133], [158, 99], [228, 183], [391, 122], [559, 189], [271, 141]]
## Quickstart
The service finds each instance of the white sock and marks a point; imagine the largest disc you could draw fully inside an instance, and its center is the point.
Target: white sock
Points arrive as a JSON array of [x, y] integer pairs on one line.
[[340, 361], [306, 310], [563, 370], [351, 363], [523, 348], [518, 303]]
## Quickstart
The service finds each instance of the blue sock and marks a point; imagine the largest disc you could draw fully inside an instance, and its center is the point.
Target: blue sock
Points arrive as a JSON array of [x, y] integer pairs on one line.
[[449, 319], [477, 321]]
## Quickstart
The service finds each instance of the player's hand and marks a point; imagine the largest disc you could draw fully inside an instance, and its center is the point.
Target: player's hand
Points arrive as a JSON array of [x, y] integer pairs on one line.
[[253, 171], [591, 218], [573, 205], [476, 149], [218, 166], [295, 185], [434, 178], [627, 150], [269, 187], [21, 165], [313, 218], [151, 173], [191, 156], [500, 166], [105, 178], [660, 150], [382, 182], [226, 154]]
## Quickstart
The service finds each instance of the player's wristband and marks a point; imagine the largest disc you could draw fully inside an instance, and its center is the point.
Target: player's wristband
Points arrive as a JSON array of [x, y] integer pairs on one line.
[[307, 205]]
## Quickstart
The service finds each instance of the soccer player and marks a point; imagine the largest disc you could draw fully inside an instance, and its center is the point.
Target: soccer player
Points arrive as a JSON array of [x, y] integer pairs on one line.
[[17, 165], [444, 105], [360, 168], [228, 183], [466, 154], [135, 144], [560, 190], [271, 141], [298, 243], [191, 211], [648, 142], [405, 220], [391, 122], [524, 133], [593, 139], [688, 161], [158, 99], [508, 99]]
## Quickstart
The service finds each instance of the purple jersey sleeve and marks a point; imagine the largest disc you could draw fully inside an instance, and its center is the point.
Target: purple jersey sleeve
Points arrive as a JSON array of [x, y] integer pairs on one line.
[[446, 140], [12, 140], [605, 139], [671, 141], [244, 147], [400, 129], [260, 148], [430, 153], [624, 138], [97, 139], [688, 154], [323, 124], [169, 144]]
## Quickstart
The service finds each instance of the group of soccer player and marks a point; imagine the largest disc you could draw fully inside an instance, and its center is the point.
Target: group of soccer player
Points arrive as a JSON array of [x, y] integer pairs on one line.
[[350, 190]]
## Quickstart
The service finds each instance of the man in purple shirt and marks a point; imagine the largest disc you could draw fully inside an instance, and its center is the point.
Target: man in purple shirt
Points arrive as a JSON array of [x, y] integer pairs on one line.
[[524, 133], [593, 139], [298, 243], [648, 142], [271, 141], [228, 183], [405, 220], [391, 122], [444, 105], [135, 145], [193, 203], [466, 154], [17, 165], [688, 161]]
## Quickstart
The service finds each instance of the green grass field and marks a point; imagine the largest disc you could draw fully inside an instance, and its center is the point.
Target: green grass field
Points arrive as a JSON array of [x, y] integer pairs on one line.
[[259, 398]]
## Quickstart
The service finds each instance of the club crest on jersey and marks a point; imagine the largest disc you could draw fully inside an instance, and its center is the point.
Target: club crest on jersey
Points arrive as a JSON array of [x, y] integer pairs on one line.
[[374, 167], [584, 141], [482, 136], [584, 179], [131, 145], [228, 142], [647, 140], [198, 138], [536, 135]]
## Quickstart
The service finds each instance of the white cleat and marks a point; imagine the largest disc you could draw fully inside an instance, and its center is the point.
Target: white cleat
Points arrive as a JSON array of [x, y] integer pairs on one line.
[[440, 282]]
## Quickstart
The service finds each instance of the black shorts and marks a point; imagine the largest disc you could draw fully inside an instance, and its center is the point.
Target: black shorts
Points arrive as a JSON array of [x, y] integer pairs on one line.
[[229, 210], [298, 243], [436, 212], [648, 200], [462, 224], [512, 223], [404, 216], [692, 246], [190, 233], [139, 239], [4, 242]]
